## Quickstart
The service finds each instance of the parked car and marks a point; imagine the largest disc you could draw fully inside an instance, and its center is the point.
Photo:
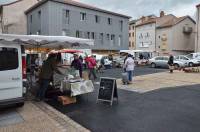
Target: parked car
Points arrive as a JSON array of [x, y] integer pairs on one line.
[[107, 62], [12, 74], [194, 55], [162, 61], [190, 61], [118, 61]]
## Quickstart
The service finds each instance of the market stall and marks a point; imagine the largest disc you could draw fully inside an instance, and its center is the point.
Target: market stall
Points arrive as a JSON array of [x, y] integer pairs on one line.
[[77, 85]]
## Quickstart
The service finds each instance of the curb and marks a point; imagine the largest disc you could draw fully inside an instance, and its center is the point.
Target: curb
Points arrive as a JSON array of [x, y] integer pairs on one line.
[[63, 121]]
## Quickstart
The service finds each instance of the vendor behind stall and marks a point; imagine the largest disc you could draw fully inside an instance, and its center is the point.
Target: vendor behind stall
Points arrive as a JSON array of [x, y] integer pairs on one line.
[[77, 64], [46, 74]]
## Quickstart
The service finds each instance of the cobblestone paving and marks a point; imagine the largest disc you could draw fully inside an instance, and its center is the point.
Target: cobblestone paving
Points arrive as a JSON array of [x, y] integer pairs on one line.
[[39, 117], [155, 81]]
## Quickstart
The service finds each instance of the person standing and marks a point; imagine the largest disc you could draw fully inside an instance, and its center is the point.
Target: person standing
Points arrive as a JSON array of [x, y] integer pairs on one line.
[[77, 65], [129, 66], [46, 74], [91, 63], [81, 58], [101, 66], [171, 63], [124, 68]]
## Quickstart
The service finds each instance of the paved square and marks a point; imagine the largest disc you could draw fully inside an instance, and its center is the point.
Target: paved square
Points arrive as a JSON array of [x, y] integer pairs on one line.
[[146, 83]]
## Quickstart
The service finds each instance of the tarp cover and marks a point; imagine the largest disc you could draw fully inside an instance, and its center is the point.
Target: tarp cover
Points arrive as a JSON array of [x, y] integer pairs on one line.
[[47, 41]]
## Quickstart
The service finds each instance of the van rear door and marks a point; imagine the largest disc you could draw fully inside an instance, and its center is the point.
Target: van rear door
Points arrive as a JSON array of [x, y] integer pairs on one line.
[[10, 72]]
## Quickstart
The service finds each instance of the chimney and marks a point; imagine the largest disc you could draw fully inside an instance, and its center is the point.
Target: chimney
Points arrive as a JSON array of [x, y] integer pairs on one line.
[[162, 13], [143, 18]]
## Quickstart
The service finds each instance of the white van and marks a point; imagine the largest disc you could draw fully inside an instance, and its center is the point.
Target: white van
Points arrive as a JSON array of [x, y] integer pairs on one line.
[[12, 74]]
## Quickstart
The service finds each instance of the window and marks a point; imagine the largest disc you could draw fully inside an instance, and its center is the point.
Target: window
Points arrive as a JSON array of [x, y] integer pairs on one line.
[[101, 37], [133, 34], [129, 34], [129, 44], [119, 40], [141, 36], [39, 14], [165, 58], [129, 27], [77, 34], [65, 16], [93, 35], [83, 16], [147, 35], [88, 35], [133, 27], [159, 58], [97, 19], [183, 58], [9, 58], [112, 39], [108, 37], [121, 25], [109, 21], [67, 13]]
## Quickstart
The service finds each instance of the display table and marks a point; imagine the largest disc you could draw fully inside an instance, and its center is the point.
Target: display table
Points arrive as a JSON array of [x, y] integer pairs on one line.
[[77, 88]]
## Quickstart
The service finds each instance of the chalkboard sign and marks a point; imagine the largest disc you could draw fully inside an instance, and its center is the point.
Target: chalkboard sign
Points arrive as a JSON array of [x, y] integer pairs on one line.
[[107, 90]]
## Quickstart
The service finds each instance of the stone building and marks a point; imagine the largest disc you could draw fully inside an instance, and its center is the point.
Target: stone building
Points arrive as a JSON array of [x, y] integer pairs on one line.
[[12, 17]]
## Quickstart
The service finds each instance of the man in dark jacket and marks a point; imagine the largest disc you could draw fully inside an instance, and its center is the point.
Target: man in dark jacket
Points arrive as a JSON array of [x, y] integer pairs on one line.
[[77, 64], [46, 74], [171, 63]]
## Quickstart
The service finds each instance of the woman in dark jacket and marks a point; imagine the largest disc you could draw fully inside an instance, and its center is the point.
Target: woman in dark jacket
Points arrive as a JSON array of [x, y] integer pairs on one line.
[[77, 64], [171, 63]]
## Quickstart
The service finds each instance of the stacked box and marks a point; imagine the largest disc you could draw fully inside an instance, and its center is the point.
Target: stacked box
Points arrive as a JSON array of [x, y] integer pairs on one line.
[[65, 100]]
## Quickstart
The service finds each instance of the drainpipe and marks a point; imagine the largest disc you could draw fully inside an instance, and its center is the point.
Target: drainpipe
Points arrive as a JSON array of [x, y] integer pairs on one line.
[[155, 40], [197, 45]]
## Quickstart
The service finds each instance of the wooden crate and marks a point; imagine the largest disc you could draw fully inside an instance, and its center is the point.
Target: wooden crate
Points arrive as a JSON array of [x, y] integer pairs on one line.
[[65, 100]]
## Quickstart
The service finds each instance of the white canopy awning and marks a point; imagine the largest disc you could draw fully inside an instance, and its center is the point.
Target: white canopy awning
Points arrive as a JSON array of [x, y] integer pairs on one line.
[[47, 41]]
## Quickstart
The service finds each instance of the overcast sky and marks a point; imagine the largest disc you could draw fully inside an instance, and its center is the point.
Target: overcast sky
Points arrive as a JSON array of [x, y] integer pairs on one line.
[[138, 8]]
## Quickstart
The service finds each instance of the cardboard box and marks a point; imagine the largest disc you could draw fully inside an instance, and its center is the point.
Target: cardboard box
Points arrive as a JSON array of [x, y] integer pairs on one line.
[[65, 100]]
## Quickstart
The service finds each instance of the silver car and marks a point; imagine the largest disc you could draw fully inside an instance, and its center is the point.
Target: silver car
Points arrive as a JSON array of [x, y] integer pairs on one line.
[[162, 61], [118, 61], [190, 61]]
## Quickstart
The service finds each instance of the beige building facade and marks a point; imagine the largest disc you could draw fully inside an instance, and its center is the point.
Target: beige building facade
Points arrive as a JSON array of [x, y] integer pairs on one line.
[[176, 37], [132, 33], [13, 18], [170, 35]]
